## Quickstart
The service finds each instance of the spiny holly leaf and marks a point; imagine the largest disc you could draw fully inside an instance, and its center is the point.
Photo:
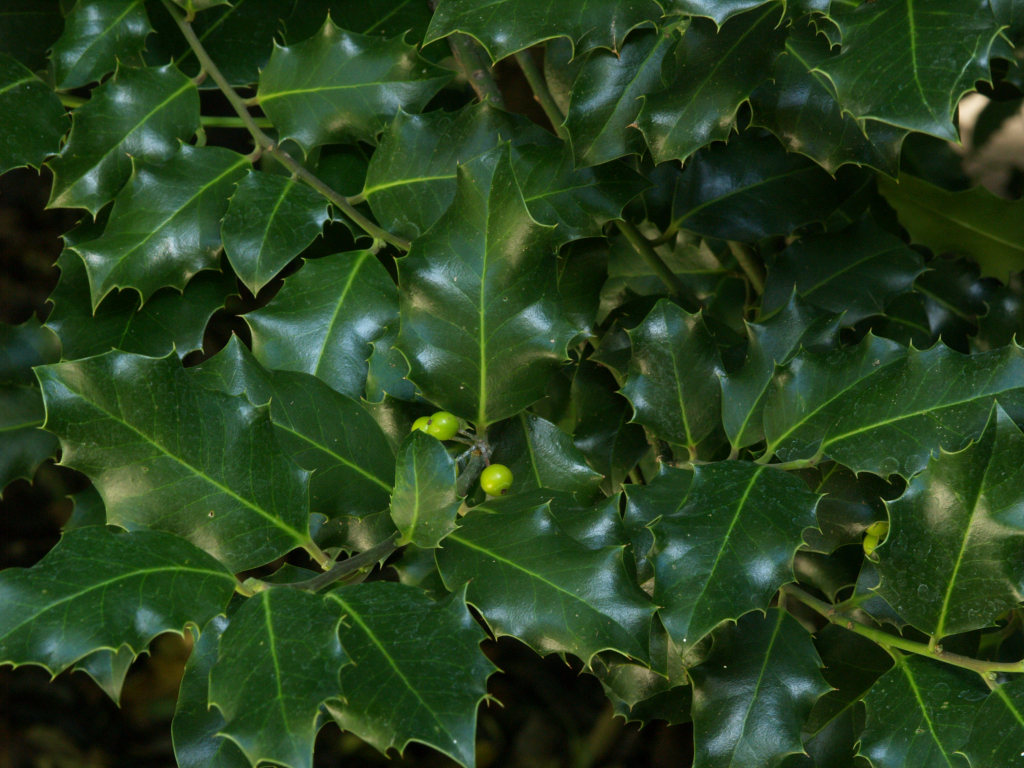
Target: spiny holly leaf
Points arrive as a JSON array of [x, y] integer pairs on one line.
[[665, 494], [920, 713], [323, 431], [974, 222], [397, 691], [950, 562], [269, 221], [97, 35], [108, 669], [532, 581], [23, 445], [425, 503], [170, 320], [165, 224], [849, 505], [722, 10], [278, 661], [325, 318], [716, 71], [772, 341], [579, 201], [606, 97], [754, 692], [998, 728], [168, 454], [383, 18], [751, 188], [933, 55], [98, 589], [672, 382], [855, 271], [541, 455], [196, 724], [504, 27], [387, 369], [41, 123], [138, 115], [22, 347], [88, 510], [28, 29], [411, 179], [340, 86], [729, 547], [482, 323], [848, 404]]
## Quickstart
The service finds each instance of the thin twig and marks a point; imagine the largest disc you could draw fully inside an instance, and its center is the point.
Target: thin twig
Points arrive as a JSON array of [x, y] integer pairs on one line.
[[345, 567], [676, 288], [750, 265], [477, 68], [541, 92]]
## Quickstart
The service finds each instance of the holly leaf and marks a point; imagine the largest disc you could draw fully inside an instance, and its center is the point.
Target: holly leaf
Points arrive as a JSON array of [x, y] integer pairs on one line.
[[24, 445], [504, 27], [166, 453], [849, 505], [481, 320], [396, 692], [737, 532], [102, 590], [922, 82], [751, 188], [664, 495], [425, 503], [715, 73], [36, 135], [108, 669], [540, 455], [998, 728], [772, 341], [605, 98], [138, 115], [920, 713], [325, 318], [672, 382], [270, 220], [22, 347], [278, 661], [170, 320], [527, 577], [387, 369], [383, 18], [88, 510], [339, 86], [855, 271], [28, 29], [973, 222], [877, 393], [165, 224], [754, 692], [323, 432], [949, 564], [97, 35]]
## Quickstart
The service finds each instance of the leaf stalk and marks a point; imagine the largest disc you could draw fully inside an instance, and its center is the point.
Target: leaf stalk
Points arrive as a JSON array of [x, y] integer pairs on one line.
[[540, 92], [675, 286]]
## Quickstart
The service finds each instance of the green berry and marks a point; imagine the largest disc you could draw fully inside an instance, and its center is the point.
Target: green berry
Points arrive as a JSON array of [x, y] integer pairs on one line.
[[442, 425], [420, 424], [870, 542], [879, 529], [496, 479]]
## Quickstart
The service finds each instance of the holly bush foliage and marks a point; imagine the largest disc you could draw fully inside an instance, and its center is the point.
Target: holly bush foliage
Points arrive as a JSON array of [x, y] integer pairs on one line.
[[707, 322]]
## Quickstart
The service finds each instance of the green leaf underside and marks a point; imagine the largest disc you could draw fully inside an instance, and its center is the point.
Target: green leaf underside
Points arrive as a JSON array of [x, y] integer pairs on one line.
[[418, 671], [341, 86], [846, 404], [102, 590], [526, 577], [279, 660], [325, 318], [425, 503], [951, 562], [998, 728], [97, 35], [166, 453], [754, 692], [729, 547], [36, 134], [469, 291]]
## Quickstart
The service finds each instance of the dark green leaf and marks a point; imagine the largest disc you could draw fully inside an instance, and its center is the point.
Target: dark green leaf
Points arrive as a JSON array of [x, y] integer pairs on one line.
[[108, 669], [138, 115], [716, 71], [482, 324], [89, 510], [325, 318], [719, 10], [269, 222], [387, 369], [98, 34], [754, 692], [532, 581], [850, 504], [168, 454], [97, 589], [419, 674], [341, 86], [23, 445], [582, 272], [22, 347], [383, 18], [36, 133], [594, 526], [278, 661], [672, 383], [28, 28], [998, 731], [729, 547], [665, 494], [425, 503]]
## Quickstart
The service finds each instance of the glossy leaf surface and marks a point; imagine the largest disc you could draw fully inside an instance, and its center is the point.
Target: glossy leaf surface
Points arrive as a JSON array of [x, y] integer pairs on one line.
[[425, 502], [998, 728], [37, 135], [97, 35]]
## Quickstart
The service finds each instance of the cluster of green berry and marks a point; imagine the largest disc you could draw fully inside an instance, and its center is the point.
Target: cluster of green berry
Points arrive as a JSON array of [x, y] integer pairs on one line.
[[496, 479]]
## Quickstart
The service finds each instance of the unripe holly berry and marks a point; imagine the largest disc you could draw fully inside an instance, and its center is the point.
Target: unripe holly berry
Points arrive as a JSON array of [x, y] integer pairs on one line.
[[420, 424], [496, 479], [870, 542], [442, 425], [879, 529]]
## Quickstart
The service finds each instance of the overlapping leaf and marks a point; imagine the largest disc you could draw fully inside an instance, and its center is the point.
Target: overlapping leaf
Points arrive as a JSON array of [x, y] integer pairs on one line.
[[37, 133], [108, 669], [97, 35], [998, 728], [425, 503], [383, 18], [28, 29]]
